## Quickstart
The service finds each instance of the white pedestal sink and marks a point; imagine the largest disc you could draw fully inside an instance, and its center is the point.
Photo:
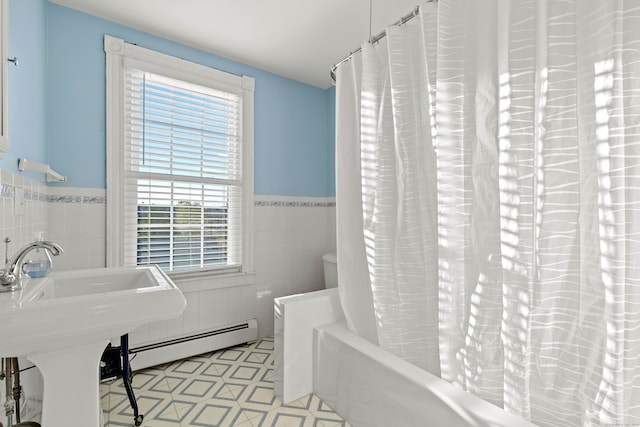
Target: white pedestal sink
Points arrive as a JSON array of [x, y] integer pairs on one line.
[[63, 322]]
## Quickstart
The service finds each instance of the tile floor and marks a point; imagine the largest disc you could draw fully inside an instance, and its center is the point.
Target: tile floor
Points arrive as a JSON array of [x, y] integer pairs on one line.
[[231, 387]]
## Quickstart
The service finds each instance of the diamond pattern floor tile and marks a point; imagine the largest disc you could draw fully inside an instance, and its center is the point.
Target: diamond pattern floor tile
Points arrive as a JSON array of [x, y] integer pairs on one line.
[[214, 413], [227, 388]]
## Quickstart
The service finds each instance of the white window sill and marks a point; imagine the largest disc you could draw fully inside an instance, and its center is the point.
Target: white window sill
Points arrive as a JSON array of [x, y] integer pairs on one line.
[[212, 281]]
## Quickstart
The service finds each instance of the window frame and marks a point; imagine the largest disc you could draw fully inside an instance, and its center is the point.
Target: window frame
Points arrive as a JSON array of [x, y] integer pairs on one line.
[[118, 54]]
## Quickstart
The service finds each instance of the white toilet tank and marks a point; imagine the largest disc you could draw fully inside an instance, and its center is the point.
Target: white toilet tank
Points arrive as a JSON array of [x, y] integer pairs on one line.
[[330, 262]]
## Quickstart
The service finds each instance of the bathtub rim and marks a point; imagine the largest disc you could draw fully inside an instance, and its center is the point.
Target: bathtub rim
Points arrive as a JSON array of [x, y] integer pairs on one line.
[[474, 410]]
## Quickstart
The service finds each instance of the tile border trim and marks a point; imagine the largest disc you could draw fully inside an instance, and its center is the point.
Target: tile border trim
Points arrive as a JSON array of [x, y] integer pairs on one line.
[[293, 204], [97, 196], [8, 191]]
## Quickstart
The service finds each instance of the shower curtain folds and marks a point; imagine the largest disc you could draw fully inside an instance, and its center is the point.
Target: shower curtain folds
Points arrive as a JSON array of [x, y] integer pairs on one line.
[[488, 200]]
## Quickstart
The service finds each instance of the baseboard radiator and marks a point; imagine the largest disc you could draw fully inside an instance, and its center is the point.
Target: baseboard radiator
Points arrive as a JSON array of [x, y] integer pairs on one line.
[[152, 354]]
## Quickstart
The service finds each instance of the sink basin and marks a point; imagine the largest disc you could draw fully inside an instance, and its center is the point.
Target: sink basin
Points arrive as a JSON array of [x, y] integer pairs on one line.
[[63, 322], [56, 311]]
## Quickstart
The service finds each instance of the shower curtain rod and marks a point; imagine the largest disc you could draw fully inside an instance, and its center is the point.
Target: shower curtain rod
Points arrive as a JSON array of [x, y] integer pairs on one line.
[[377, 38]]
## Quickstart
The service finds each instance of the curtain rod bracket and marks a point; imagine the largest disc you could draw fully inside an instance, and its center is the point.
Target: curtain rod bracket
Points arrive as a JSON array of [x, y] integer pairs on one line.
[[415, 12]]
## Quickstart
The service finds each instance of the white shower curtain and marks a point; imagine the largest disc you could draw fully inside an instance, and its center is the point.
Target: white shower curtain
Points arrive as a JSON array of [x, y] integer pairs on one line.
[[488, 199]]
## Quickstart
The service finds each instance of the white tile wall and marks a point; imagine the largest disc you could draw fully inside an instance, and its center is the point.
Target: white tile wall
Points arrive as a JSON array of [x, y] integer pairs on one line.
[[76, 220], [21, 228], [289, 243], [291, 234]]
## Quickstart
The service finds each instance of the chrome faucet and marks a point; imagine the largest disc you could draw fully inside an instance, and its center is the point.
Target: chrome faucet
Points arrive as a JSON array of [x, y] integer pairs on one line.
[[11, 274]]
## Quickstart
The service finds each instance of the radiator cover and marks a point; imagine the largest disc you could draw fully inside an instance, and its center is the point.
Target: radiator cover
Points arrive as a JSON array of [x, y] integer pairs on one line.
[[156, 353]]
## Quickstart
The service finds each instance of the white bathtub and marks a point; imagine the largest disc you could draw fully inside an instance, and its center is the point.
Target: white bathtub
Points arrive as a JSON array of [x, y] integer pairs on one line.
[[315, 352], [370, 387]]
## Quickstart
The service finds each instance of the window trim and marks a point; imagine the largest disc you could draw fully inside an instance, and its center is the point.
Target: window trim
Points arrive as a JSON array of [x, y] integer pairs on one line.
[[118, 53]]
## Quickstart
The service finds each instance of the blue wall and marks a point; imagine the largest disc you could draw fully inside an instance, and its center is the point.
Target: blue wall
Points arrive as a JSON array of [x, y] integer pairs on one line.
[[331, 167], [27, 111], [57, 104]]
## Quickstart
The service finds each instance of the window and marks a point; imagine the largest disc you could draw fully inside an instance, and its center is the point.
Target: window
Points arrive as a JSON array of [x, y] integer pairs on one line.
[[179, 163]]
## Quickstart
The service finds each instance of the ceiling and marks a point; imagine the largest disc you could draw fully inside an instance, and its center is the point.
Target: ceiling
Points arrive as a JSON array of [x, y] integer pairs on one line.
[[298, 39]]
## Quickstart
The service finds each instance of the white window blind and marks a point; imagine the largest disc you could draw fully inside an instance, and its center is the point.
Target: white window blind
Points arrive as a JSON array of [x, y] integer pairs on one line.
[[179, 165], [182, 174]]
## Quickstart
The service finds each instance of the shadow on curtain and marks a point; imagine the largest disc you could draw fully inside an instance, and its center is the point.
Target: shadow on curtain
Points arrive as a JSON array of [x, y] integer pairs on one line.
[[488, 167]]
